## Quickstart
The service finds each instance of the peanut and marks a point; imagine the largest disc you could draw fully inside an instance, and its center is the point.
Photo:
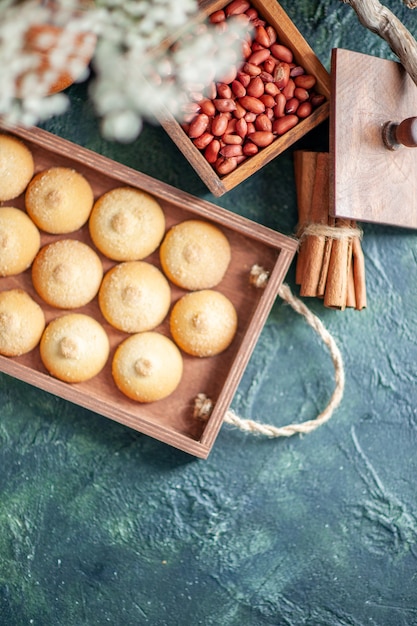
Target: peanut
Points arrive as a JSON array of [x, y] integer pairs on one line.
[[242, 127], [232, 139], [272, 34], [238, 89], [284, 124], [264, 97], [263, 122], [301, 94], [269, 65], [252, 104], [282, 75], [223, 105], [282, 53], [255, 87], [224, 165], [271, 88], [291, 106], [249, 149], [304, 109], [250, 117], [305, 80], [266, 77], [224, 91], [251, 128], [212, 151], [231, 126], [237, 7], [244, 78], [252, 69], [279, 109], [317, 100], [252, 13], [246, 49], [217, 16], [261, 36], [219, 124], [203, 141], [261, 138], [239, 112], [267, 99], [289, 89], [207, 107], [259, 56], [198, 126], [297, 70], [231, 150]]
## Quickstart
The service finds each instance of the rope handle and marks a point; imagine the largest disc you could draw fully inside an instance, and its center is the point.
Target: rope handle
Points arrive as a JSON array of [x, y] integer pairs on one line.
[[250, 426]]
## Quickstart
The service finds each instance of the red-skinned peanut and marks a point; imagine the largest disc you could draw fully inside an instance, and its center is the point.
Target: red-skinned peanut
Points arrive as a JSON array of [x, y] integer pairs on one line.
[[304, 109], [284, 124], [212, 151], [262, 138], [198, 126]]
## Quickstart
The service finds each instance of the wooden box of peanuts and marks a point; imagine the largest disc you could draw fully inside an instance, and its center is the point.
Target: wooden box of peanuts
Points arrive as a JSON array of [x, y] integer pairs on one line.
[[277, 91], [143, 305]]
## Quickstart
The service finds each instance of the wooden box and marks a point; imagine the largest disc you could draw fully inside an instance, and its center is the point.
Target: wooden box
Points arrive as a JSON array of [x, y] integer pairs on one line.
[[170, 420], [288, 35]]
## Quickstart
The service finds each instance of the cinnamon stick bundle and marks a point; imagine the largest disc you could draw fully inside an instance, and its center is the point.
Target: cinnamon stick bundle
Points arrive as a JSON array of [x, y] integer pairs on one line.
[[330, 261]]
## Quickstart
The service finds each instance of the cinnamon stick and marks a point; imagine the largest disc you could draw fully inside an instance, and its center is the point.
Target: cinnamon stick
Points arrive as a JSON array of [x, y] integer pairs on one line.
[[330, 265], [351, 296], [359, 274], [337, 277], [315, 244], [305, 171], [321, 287]]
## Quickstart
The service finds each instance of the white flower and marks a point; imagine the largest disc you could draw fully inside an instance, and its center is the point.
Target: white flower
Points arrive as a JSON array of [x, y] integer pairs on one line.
[[132, 81]]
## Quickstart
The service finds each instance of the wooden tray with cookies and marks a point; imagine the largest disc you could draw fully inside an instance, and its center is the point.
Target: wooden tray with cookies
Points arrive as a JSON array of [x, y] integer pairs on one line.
[[124, 295]]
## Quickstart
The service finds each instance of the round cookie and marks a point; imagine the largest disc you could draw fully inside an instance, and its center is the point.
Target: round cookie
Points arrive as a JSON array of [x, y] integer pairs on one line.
[[195, 255], [203, 323], [74, 347], [22, 322], [59, 200], [67, 273], [16, 167], [127, 224], [147, 367], [134, 296], [20, 241]]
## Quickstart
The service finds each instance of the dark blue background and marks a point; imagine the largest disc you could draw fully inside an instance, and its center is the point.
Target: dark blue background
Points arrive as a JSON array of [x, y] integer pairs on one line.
[[102, 525]]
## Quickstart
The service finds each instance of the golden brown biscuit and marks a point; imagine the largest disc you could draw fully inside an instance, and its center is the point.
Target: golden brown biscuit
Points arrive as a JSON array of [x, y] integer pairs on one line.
[[67, 273], [20, 241], [195, 255], [134, 296], [16, 167], [203, 323], [22, 322], [147, 367], [127, 224], [74, 347], [59, 200]]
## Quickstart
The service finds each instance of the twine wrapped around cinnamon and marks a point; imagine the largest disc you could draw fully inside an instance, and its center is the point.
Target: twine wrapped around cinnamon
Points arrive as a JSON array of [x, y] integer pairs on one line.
[[330, 261]]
